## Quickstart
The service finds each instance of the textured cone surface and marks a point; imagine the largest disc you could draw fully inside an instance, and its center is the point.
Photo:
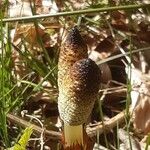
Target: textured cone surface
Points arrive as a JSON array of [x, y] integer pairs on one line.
[[78, 92], [72, 50]]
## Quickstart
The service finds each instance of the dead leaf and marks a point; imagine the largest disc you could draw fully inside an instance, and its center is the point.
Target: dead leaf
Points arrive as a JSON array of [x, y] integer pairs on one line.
[[105, 70], [142, 110], [38, 2], [143, 26], [121, 25], [144, 36], [141, 101], [106, 47], [118, 15], [119, 20], [30, 34]]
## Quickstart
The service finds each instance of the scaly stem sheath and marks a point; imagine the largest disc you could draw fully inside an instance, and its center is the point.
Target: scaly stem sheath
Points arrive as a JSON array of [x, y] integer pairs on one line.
[[73, 136]]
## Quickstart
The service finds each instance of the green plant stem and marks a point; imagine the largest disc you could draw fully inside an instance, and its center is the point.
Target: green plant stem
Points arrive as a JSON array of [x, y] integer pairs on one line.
[[77, 12], [128, 100], [102, 118], [147, 142], [3, 85]]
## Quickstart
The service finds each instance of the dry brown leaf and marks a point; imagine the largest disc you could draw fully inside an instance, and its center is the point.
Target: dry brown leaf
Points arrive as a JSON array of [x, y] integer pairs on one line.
[[141, 101], [143, 26], [106, 47], [144, 36], [142, 110], [119, 20], [42, 9], [120, 25], [118, 15], [38, 2], [29, 33], [105, 70]]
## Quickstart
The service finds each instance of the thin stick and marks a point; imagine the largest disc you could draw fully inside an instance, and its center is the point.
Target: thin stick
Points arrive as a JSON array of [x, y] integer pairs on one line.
[[121, 55], [51, 134], [77, 12], [91, 131], [107, 125]]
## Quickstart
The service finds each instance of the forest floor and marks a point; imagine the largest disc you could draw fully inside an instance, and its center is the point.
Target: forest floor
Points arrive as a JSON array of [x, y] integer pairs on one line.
[[117, 34]]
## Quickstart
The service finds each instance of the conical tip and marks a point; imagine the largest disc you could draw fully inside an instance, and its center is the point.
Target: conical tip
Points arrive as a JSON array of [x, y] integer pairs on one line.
[[74, 37]]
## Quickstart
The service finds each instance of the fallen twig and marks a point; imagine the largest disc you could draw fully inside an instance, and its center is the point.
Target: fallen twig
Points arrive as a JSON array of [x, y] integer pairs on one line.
[[107, 126], [18, 120], [54, 135]]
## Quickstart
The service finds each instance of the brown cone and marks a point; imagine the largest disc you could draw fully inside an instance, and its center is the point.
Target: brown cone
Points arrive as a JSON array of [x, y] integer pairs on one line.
[[79, 91], [72, 50]]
